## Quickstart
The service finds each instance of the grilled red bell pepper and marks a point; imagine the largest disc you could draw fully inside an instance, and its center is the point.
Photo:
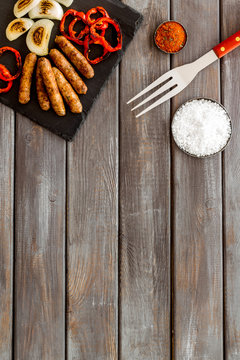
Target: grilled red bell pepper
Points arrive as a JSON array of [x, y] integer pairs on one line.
[[98, 39], [94, 11], [93, 32], [4, 72], [73, 33], [80, 16], [87, 43], [7, 74]]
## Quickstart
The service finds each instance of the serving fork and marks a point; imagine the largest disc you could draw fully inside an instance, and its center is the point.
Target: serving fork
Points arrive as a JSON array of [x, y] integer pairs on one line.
[[175, 80]]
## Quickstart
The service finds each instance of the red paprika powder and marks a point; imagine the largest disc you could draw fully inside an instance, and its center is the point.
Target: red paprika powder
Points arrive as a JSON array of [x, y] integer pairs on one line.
[[170, 37]]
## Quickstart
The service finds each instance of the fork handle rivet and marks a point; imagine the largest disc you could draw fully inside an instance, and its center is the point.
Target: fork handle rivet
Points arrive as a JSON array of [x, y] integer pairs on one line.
[[222, 48], [237, 38]]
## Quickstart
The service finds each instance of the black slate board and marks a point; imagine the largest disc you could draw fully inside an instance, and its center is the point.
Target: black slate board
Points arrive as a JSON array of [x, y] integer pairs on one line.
[[67, 126]]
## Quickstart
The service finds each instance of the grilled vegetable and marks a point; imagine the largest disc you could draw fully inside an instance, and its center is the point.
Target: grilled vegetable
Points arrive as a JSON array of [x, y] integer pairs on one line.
[[6, 76], [48, 9], [77, 16], [18, 27], [22, 7], [94, 31], [9, 83], [39, 36], [66, 3]]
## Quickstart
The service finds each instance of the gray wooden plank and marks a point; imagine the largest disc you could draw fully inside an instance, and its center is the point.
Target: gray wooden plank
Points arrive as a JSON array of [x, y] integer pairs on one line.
[[6, 229], [197, 217], [92, 330], [231, 92], [39, 243], [145, 200]]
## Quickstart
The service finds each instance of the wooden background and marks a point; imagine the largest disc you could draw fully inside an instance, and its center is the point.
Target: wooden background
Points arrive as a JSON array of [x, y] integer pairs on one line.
[[118, 245]]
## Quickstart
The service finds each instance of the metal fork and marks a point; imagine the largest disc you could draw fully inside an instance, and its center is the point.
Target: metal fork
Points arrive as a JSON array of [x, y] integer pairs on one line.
[[178, 78]]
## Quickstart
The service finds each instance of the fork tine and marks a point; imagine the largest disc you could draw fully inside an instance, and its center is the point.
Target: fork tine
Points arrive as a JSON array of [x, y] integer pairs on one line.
[[165, 87], [157, 82], [166, 97]]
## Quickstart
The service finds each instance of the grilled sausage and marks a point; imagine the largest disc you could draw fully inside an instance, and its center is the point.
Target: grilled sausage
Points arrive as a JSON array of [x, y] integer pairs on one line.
[[67, 92], [41, 90], [26, 78], [75, 56], [66, 68], [51, 87]]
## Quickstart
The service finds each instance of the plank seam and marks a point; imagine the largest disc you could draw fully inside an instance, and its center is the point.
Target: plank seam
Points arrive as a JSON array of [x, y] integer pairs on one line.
[[223, 197], [66, 255], [172, 206], [119, 215], [172, 231], [119, 355], [14, 237]]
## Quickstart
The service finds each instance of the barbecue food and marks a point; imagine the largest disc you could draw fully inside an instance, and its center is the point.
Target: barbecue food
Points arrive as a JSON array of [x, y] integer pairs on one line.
[[41, 90], [18, 27], [52, 87], [47, 9], [22, 7], [67, 92], [75, 57], [26, 78], [66, 68], [39, 35]]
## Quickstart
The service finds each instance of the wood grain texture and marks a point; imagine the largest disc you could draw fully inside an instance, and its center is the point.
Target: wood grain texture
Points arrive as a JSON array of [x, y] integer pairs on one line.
[[145, 200], [145, 194], [197, 216], [6, 229], [93, 233], [230, 98], [39, 243]]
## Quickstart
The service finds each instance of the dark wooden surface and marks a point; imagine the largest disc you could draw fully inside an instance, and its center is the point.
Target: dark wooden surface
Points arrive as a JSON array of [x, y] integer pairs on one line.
[[231, 190], [118, 245], [145, 292], [197, 188], [39, 267]]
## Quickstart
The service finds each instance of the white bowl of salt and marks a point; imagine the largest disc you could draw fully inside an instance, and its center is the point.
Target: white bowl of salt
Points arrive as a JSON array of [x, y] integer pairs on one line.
[[201, 127]]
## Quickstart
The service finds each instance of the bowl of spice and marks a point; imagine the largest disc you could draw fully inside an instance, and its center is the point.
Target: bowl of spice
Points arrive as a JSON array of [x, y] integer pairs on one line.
[[201, 127], [170, 37]]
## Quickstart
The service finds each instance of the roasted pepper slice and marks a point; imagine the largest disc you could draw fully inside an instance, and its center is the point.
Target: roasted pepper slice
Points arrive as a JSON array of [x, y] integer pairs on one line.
[[87, 43], [73, 33], [77, 15], [98, 39], [7, 74], [93, 11], [4, 74]]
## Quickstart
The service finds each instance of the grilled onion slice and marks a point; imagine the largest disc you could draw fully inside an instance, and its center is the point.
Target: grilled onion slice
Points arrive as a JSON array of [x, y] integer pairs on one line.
[[22, 7], [17, 27], [66, 3], [38, 37], [47, 9]]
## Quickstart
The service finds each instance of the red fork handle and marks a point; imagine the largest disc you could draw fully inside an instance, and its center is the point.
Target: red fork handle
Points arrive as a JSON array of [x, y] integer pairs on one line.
[[227, 45]]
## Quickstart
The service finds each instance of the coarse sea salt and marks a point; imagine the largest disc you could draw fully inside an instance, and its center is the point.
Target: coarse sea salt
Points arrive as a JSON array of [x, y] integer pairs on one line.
[[201, 127]]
